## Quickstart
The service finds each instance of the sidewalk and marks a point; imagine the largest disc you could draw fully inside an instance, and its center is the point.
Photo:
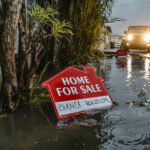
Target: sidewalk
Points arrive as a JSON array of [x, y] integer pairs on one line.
[[110, 51]]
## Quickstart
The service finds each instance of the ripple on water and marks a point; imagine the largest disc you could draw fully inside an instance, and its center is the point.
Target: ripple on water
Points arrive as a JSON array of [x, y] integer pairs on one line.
[[112, 119], [119, 132], [105, 131], [131, 139], [129, 134]]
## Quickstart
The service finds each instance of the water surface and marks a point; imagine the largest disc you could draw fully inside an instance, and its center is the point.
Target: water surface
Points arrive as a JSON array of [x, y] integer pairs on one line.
[[121, 128]]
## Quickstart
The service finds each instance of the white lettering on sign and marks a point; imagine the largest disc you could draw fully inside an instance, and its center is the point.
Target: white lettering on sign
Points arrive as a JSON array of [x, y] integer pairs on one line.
[[86, 79], [83, 89], [80, 80], [73, 106], [75, 80], [90, 88], [67, 91]]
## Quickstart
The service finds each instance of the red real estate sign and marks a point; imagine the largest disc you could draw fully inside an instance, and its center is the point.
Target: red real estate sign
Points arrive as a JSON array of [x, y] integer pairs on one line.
[[121, 53], [74, 91]]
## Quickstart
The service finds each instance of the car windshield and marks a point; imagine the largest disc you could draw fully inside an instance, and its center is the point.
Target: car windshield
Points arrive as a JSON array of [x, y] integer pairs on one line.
[[139, 29]]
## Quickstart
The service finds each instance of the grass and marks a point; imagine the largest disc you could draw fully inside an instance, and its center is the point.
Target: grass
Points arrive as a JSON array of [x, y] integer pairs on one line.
[[39, 100], [3, 116]]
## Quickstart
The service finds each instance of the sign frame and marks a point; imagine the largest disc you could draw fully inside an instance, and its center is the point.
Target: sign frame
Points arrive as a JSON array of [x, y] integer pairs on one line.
[[82, 100]]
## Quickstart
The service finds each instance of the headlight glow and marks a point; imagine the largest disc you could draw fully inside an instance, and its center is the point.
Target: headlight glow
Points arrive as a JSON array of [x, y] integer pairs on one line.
[[147, 37], [130, 37]]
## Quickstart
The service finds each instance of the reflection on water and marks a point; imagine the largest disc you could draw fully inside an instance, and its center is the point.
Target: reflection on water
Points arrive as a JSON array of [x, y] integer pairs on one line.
[[147, 68], [119, 128], [129, 67]]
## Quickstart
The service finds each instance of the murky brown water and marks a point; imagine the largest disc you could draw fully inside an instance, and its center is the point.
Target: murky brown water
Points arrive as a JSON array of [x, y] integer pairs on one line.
[[120, 128]]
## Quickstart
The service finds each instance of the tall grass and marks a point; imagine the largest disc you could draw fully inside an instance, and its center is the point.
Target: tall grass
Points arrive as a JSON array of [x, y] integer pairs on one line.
[[88, 24]]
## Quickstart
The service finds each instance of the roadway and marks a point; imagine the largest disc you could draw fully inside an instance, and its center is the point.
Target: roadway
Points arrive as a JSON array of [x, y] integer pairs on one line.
[[142, 53]]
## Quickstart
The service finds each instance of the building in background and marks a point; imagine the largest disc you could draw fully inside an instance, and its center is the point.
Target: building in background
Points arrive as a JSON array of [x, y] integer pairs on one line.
[[116, 40], [106, 39]]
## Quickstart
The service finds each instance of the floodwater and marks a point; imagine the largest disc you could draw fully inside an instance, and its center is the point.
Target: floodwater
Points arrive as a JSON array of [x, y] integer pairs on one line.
[[123, 127]]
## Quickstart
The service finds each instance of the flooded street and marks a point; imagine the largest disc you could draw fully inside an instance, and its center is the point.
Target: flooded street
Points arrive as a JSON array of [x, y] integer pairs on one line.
[[127, 127], [124, 127]]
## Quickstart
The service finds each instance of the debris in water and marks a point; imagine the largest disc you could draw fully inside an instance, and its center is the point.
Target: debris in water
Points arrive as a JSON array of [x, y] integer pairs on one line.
[[139, 103], [73, 123]]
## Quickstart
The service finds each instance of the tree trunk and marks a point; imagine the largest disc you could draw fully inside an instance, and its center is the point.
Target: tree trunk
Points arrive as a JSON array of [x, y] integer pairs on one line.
[[54, 50], [23, 33], [28, 87], [10, 16]]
